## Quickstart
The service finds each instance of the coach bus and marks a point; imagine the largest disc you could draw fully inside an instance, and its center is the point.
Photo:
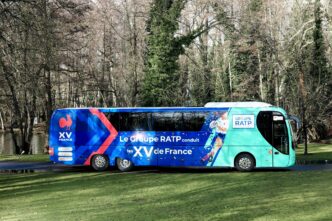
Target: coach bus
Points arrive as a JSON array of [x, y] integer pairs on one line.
[[244, 135]]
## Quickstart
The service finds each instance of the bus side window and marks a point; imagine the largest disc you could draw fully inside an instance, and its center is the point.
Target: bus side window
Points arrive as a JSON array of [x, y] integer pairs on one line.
[[280, 138], [264, 124], [193, 121], [134, 121], [167, 121], [178, 121], [114, 119]]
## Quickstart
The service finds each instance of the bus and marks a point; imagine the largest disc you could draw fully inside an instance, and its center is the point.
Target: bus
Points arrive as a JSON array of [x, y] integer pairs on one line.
[[244, 135]]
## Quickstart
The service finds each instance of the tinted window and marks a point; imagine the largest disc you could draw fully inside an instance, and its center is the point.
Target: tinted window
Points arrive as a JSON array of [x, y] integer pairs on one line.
[[193, 121], [157, 121], [264, 125], [129, 121], [280, 138], [134, 122], [167, 121], [178, 121], [114, 119]]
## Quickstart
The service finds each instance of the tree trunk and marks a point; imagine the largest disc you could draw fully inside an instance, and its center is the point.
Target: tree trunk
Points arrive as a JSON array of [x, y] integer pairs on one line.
[[47, 69], [1, 121], [303, 110], [230, 80], [260, 77], [17, 147], [30, 122], [134, 89]]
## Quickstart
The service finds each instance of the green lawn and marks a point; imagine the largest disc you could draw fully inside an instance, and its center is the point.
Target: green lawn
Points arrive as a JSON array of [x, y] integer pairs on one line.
[[228, 195], [175, 195], [316, 152], [26, 158]]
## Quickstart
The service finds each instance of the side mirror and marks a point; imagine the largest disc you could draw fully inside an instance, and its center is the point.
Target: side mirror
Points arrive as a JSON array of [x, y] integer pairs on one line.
[[296, 120], [298, 125]]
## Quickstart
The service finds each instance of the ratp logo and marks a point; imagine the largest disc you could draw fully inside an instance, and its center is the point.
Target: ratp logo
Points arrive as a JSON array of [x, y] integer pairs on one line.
[[243, 121]]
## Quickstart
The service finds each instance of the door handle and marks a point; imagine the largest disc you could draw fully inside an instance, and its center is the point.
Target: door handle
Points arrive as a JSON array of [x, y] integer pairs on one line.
[[276, 152]]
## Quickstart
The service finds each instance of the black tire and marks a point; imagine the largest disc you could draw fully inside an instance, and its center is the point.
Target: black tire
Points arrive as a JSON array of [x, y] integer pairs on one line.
[[245, 162], [124, 165], [99, 162]]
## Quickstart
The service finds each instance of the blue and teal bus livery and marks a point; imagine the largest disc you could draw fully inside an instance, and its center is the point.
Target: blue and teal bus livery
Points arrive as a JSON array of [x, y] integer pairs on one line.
[[244, 135]]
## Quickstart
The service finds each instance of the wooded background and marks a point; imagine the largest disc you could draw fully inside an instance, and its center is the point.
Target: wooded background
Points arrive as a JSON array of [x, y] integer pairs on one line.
[[114, 53]]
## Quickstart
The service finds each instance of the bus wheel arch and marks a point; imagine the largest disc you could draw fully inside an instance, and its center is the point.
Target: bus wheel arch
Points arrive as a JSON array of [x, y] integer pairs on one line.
[[99, 162], [244, 161], [124, 165]]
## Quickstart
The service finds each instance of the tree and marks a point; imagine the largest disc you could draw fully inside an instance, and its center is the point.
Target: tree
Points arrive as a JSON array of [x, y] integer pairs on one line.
[[161, 85], [20, 70], [318, 82], [26, 64], [318, 70], [245, 49]]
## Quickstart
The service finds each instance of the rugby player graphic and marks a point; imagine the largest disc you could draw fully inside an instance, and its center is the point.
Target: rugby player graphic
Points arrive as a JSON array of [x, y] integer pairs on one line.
[[219, 128]]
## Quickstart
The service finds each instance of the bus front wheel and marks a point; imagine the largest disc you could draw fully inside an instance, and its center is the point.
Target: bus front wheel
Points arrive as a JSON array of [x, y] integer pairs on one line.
[[245, 162], [124, 165], [99, 162]]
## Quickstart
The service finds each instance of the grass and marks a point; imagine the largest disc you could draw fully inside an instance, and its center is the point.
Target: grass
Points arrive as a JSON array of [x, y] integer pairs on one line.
[[191, 195], [315, 152], [26, 158], [169, 195]]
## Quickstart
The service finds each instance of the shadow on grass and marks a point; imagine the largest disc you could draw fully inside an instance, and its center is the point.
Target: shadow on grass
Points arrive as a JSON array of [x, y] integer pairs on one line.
[[168, 170], [192, 170], [315, 156]]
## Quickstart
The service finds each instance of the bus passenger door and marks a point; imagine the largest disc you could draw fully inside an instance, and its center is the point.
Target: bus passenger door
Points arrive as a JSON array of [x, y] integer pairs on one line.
[[272, 126], [264, 125], [280, 141]]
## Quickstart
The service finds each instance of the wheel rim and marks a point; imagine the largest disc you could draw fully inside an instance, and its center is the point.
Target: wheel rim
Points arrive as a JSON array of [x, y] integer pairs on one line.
[[125, 163], [245, 163], [100, 161]]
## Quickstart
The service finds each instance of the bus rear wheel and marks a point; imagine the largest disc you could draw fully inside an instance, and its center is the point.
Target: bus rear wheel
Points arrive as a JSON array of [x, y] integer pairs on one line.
[[99, 162], [245, 162], [124, 165]]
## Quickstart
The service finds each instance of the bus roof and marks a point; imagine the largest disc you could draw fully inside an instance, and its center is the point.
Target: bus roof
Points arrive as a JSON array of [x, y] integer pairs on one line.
[[238, 104], [208, 107]]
